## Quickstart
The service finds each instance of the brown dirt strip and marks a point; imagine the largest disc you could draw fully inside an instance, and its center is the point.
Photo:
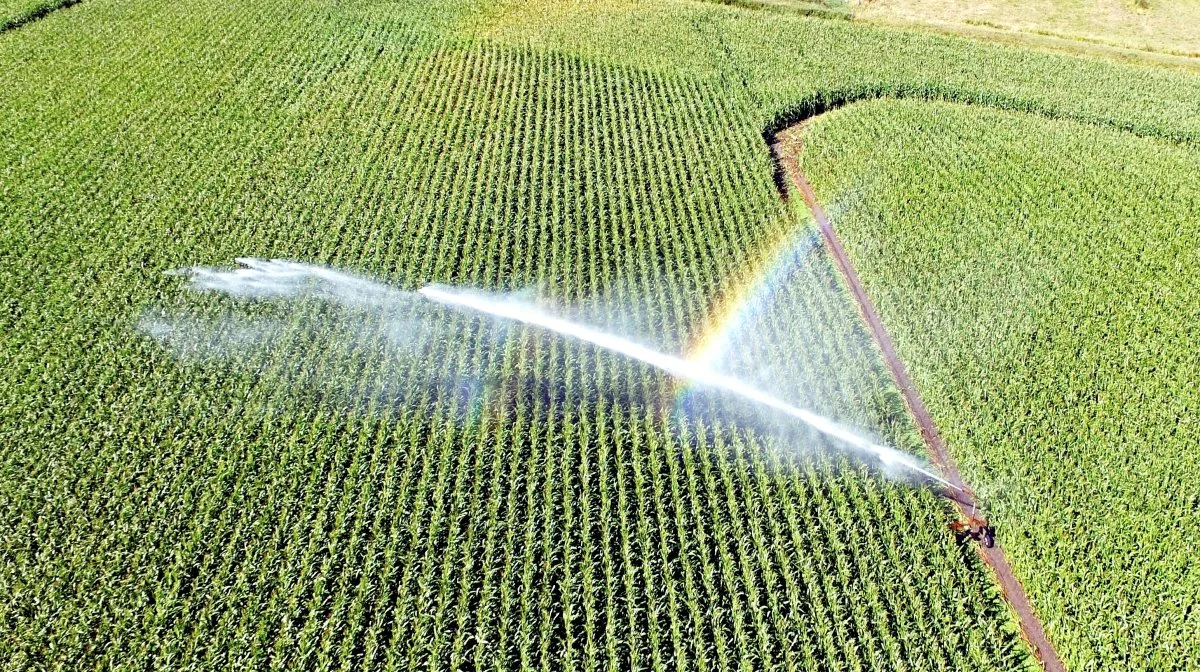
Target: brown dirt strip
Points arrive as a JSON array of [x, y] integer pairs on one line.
[[1031, 626]]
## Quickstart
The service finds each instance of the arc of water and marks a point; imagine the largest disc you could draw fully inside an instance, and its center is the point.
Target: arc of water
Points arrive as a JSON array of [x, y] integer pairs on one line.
[[693, 372]]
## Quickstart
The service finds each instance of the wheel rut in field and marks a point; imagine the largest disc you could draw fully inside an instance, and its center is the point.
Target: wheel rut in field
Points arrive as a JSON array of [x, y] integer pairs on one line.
[[788, 177]]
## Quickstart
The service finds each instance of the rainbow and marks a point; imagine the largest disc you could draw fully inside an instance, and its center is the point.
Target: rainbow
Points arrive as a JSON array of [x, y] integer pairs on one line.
[[755, 297]]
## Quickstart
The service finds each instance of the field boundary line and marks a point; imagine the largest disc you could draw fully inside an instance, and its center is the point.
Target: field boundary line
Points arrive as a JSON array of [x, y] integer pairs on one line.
[[39, 12], [1031, 626], [784, 120]]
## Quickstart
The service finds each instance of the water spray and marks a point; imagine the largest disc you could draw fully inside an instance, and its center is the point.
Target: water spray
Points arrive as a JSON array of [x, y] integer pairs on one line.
[[693, 372], [275, 278]]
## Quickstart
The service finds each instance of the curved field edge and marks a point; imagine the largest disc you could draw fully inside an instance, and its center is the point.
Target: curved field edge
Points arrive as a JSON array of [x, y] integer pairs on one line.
[[1047, 333], [17, 13], [823, 102]]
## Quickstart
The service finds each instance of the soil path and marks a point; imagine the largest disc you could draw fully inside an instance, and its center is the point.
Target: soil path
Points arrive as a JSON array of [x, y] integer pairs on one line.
[[1031, 627]]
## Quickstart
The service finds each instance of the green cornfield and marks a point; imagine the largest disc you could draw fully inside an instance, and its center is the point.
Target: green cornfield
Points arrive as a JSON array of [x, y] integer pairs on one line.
[[514, 500], [1049, 330]]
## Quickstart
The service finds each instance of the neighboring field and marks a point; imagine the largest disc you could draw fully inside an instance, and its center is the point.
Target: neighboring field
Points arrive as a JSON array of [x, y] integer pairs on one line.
[[213, 503], [1161, 26], [1171, 26], [1039, 279]]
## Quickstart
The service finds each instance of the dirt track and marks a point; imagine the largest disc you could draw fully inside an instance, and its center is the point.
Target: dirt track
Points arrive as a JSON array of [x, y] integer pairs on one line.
[[1031, 625]]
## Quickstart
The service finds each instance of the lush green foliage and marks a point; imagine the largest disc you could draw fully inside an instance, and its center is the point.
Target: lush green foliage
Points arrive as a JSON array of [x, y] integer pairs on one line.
[[1039, 278], [278, 511], [164, 512]]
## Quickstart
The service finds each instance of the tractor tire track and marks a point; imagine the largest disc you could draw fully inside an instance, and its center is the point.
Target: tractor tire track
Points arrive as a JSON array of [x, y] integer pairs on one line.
[[788, 173]]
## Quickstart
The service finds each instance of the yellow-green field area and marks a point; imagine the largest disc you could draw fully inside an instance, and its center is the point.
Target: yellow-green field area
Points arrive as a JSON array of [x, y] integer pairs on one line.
[[1169, 26]]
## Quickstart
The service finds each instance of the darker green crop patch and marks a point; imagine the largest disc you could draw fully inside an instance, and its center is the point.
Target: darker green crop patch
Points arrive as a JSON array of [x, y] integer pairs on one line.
[[24, 13]]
